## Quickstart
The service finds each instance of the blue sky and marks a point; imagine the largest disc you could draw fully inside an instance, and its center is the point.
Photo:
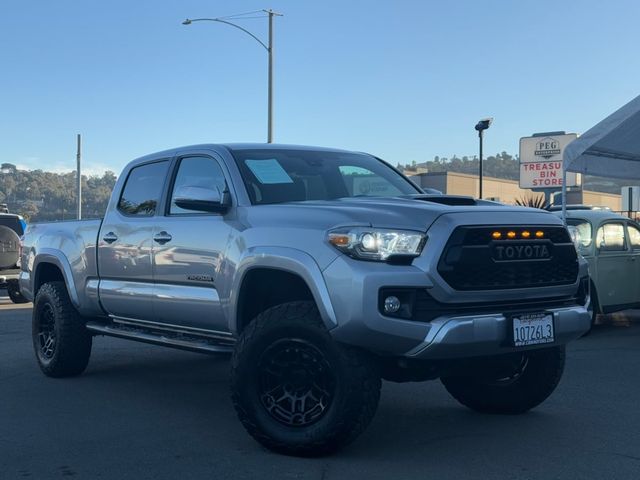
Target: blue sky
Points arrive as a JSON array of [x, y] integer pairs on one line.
[[405, 80]]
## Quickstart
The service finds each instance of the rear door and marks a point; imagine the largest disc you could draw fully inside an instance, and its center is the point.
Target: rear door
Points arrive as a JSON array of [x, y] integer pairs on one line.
[[125, 244], [188, 250], [614, 266]]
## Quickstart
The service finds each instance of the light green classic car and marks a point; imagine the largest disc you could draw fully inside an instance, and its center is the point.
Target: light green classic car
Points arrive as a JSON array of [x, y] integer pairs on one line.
[[611, 244]]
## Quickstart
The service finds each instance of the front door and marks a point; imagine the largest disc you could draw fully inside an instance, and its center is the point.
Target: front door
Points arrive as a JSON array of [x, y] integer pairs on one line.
[[188, 252], [125, 244], [614, 264], [634, 244]]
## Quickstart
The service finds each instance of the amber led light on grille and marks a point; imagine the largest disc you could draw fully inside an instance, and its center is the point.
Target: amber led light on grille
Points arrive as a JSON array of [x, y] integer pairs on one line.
[[526, 234], [511, 234], [539, 234], [496, 235]]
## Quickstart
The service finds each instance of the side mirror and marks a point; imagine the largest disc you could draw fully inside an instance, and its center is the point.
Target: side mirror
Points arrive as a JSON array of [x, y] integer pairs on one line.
[[202, 199]]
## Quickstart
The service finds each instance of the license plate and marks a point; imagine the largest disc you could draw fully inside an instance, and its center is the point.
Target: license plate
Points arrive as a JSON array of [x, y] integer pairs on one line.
[[532, 329]]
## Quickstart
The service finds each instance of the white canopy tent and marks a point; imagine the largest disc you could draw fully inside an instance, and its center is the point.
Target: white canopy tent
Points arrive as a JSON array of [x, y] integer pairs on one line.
[[609, 149]]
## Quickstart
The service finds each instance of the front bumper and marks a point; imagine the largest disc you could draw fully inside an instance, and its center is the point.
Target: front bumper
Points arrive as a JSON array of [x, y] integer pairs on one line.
[[8, 275], [482, 335], [354, 287]]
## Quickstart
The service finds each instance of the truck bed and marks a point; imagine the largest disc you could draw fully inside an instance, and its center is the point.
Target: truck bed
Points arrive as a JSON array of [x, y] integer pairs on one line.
[[71, 245]]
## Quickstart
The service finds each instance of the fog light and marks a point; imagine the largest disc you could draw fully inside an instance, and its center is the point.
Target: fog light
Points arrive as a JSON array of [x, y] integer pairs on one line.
[[391, 304]]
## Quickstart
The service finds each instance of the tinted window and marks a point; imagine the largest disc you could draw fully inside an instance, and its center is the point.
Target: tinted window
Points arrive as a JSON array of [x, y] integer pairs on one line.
[[611, 237], [634, 237], [13, 223], [278, 176], [143, 189], [197, 172]]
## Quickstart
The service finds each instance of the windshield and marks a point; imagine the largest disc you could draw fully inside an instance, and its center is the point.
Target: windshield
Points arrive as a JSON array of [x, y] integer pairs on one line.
[[279, 176], [583, 229]]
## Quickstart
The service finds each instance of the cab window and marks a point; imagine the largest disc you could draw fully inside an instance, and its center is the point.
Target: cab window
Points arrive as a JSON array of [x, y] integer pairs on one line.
[[611, 238], [143, 189], [196, 172]]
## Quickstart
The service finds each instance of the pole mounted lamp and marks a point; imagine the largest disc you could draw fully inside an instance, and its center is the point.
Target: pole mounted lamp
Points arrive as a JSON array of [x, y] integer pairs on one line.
[[268, 47], [481, 126]]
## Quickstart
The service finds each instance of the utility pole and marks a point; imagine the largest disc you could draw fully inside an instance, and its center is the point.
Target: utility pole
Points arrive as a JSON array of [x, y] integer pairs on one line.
[[270, 99], [79, 177]]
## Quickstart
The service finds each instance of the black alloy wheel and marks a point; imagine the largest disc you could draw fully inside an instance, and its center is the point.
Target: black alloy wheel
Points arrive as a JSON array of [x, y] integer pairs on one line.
[[296, 382], [46, 332]]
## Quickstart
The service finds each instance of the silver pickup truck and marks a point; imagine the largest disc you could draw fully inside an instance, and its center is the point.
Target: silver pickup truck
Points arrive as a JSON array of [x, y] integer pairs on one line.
[[322, 272]]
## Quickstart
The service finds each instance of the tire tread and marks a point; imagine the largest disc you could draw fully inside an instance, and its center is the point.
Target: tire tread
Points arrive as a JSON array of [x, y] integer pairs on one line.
[[366, 383], [73, 342]]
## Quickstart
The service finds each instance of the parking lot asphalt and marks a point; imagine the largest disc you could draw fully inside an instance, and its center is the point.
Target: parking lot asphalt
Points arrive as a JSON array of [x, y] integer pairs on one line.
[[143, 412]]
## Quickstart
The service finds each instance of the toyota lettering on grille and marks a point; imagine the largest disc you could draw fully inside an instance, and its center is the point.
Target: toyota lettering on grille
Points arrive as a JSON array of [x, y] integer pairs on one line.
[[521, 251]]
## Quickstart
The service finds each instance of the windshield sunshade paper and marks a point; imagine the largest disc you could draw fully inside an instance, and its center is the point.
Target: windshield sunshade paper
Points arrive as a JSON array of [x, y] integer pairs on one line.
[[268, 171]]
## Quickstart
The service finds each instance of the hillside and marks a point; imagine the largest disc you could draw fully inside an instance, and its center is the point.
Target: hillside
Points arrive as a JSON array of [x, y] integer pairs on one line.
[[504, 165], [41, 196]]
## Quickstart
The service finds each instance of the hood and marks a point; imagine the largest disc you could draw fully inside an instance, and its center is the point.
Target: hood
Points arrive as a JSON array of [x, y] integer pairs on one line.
[[411, 212]]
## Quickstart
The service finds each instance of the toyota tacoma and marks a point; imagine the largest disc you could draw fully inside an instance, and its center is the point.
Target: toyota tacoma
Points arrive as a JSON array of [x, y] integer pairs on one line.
[[321, 272]]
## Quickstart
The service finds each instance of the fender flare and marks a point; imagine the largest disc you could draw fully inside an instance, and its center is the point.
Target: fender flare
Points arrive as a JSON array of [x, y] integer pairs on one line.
[[289, 260], [57, 258]]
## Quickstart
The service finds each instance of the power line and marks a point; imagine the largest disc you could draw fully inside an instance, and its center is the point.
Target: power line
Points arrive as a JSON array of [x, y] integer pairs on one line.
[[243, 15]]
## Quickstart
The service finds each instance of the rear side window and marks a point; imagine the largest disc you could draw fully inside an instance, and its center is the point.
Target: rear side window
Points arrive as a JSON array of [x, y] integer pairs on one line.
[[143, 188]]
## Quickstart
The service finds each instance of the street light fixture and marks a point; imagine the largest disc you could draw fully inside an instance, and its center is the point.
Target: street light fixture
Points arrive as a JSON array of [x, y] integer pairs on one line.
[[268, 47], [481, 126]]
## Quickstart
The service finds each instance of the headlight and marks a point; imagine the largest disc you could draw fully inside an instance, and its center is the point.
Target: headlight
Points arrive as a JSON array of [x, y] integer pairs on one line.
[[376, 243]]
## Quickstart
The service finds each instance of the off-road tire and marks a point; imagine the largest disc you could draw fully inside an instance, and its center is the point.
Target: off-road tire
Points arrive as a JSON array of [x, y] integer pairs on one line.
[[14, 292], [71, 348], [530, 388], [350, 408]]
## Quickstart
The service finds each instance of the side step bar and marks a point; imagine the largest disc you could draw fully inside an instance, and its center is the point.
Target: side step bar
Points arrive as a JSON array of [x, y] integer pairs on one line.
[[183, 342]]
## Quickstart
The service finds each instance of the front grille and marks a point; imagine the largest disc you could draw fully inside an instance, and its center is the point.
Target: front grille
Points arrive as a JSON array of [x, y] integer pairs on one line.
[[469, 261]]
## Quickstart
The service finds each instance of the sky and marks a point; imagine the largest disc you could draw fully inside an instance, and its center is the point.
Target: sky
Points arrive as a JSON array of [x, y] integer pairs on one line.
[[403, 79]]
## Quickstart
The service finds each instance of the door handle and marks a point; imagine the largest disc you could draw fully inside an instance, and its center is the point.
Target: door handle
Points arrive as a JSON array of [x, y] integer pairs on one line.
[[110, 237], [162, 237]]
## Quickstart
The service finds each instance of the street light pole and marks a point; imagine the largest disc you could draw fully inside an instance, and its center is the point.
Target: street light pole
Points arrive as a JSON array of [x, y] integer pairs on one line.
[[481, 126], [268, 48], [480, 136]]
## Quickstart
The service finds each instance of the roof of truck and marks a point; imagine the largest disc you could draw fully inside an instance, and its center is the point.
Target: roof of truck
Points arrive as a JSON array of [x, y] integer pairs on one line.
[[232, 146]]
